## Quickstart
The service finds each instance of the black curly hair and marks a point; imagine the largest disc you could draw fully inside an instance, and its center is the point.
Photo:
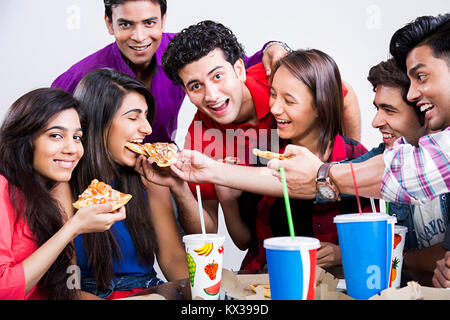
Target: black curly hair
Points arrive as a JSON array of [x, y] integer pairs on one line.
[[426, 30], [195, 42], [109, 4]]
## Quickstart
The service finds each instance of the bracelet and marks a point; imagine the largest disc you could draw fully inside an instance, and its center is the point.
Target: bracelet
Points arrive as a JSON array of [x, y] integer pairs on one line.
[[280, 43]]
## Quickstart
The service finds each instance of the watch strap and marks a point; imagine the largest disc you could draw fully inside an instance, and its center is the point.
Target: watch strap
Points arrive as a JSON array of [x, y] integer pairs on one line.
[[324, 170]]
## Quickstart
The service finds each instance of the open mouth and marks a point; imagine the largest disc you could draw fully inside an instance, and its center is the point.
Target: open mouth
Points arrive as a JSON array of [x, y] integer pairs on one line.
[[65, 164], [426, 107], [220, 108], [140, 48], [138, 145], [283, 123], [387, 136]]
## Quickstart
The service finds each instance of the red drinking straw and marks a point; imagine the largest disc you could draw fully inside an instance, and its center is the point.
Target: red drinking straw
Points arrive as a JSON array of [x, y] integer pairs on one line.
[[356, 188]]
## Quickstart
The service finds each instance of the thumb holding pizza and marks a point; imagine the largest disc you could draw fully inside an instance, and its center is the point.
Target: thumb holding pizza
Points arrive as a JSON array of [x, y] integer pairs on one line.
[[96, 218], [194, 166]]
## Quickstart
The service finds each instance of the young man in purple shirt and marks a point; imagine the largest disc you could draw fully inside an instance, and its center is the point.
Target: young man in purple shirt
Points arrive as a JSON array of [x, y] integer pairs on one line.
[[140, 41]]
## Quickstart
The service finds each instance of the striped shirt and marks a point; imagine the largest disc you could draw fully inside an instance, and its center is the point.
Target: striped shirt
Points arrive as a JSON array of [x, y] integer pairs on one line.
[[417, 174]]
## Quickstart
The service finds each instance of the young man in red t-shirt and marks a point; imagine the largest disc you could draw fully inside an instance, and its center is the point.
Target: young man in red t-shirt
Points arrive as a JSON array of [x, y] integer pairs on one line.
[[233, 117]]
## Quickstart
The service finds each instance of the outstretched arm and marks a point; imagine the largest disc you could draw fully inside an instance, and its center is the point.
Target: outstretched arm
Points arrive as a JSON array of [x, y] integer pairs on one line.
[[301, 174], [195, 167]]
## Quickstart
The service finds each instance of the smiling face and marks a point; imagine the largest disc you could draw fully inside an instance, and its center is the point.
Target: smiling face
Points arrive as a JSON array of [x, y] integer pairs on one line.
[[129, 124], [395, 118], [216, 87], [292, 105], [137, 27], [58, 147], [430, 86]]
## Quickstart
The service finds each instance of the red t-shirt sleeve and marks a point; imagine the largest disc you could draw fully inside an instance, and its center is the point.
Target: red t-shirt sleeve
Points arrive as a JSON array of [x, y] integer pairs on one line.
[[12, 277]]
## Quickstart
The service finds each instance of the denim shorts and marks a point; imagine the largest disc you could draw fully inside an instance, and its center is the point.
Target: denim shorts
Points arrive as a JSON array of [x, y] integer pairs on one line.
[[120, 283]]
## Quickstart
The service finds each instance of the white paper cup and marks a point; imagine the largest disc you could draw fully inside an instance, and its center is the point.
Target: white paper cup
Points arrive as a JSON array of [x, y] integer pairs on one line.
[[204, 253], [397, 256], [390, 251]]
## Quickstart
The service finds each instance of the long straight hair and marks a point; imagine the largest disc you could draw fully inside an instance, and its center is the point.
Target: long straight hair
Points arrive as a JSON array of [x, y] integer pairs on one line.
[[30, 196], [101, 93], [320, 73]]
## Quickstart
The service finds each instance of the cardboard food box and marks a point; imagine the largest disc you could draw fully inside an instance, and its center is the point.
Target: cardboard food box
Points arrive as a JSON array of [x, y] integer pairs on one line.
[[238, 286], [413, 291]]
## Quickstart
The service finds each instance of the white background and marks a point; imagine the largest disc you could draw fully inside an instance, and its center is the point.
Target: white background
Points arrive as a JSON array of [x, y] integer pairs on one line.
[[41, 39]]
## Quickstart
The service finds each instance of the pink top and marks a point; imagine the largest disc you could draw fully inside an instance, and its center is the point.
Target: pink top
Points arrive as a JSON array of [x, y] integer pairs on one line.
[[16, 244]]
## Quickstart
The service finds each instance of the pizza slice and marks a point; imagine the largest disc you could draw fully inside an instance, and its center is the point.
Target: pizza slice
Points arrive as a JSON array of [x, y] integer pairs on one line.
[[269, 155], [163, 153], [136, 147], [99, 192]]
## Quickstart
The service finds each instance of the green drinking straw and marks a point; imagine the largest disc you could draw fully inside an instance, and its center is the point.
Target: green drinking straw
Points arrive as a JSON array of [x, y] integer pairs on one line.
[[286, 201]]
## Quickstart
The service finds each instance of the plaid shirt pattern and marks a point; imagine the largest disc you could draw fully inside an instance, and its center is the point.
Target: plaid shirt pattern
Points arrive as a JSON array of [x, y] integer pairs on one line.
[[417, 175]]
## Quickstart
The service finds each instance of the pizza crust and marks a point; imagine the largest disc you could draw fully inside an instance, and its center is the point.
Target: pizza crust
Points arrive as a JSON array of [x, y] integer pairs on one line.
[[138, 148], [269, 155]]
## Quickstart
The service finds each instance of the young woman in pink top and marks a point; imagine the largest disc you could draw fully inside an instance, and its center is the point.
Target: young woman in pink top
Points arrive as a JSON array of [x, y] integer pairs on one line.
[[40, 145]]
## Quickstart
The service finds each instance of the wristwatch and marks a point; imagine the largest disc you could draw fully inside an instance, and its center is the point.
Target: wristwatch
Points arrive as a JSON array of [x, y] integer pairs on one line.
[[326, 189], [282, 44]]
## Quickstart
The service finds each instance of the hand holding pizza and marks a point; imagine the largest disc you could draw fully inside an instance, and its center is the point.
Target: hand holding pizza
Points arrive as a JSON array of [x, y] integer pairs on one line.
[[151, 174], [96, 218], [301, 169], [194, 166]]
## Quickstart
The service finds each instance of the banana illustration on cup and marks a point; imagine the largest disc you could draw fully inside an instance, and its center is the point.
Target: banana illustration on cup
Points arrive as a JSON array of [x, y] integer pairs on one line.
[[205, 250]]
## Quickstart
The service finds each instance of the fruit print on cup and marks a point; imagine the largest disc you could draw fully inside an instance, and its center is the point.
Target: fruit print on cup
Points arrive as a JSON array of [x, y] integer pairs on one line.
[[205, 259], [211, 270], [397, 257], [191, 268], [205, 249]]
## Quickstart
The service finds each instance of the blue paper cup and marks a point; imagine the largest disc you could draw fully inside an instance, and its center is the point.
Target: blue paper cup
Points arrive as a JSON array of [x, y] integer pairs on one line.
[[363, 239], [292, 267]]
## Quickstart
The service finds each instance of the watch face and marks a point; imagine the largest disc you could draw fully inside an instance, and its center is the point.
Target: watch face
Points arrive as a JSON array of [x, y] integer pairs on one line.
[[326, 192]]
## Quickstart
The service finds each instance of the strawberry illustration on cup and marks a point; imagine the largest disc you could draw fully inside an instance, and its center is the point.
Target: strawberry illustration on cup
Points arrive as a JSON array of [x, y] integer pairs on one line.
[[211, 270]]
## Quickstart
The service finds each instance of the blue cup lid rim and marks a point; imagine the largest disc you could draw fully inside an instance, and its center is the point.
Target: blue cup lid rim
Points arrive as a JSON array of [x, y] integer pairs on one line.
[[286, 243], [364, 217]]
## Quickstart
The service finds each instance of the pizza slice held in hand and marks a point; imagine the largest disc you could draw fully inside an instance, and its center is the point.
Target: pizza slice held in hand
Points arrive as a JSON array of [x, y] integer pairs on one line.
[[137, 148], [269, 155], [99, 192], [163, 153]]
